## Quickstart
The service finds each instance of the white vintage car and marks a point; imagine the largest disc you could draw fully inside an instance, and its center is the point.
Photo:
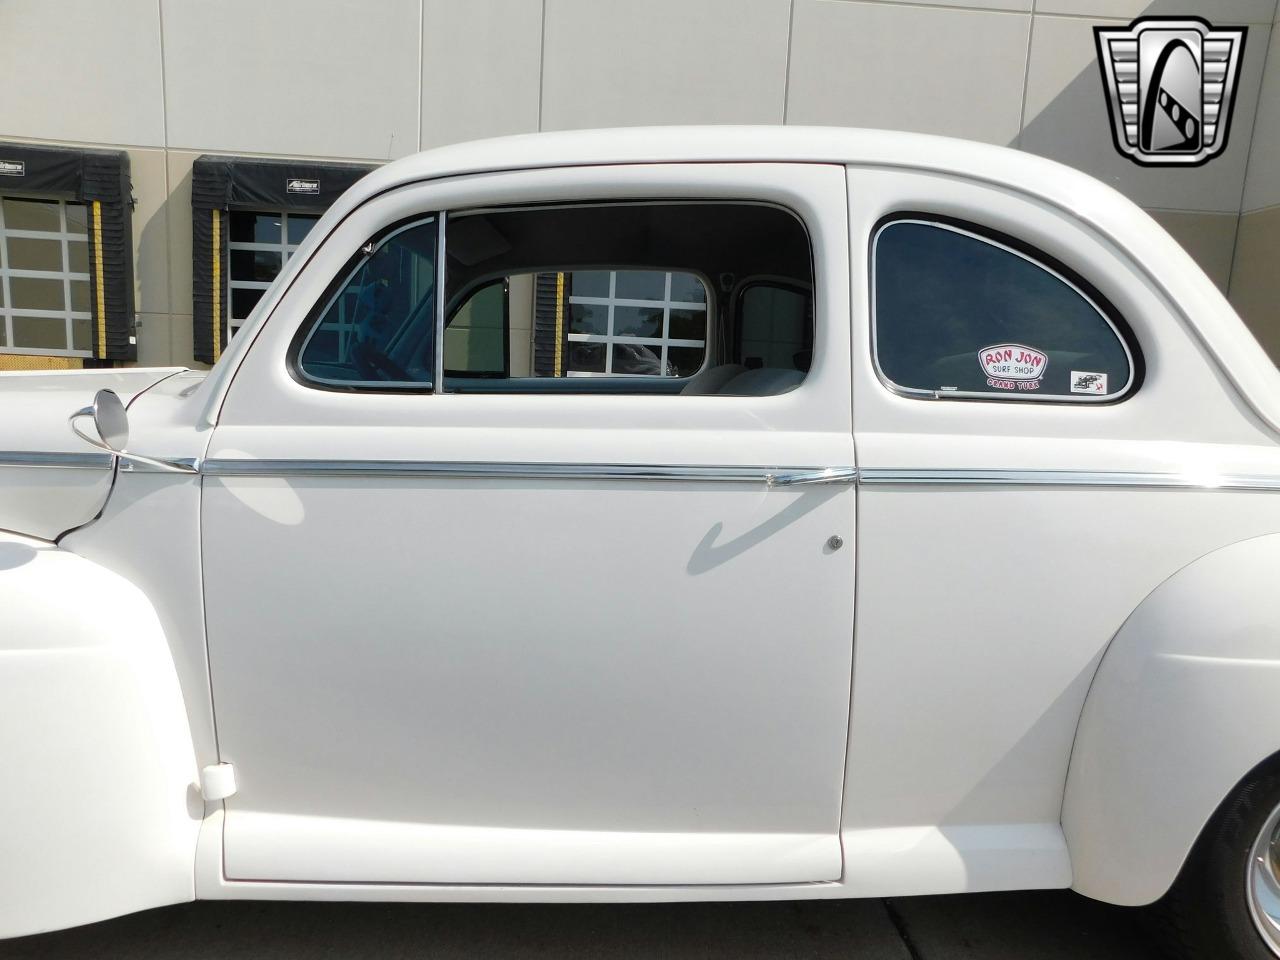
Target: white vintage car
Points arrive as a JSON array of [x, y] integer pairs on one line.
[[676, 514]]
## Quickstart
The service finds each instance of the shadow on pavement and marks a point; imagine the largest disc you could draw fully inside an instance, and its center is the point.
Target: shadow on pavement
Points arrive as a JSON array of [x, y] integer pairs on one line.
[[1023, 926], [1042, 925]]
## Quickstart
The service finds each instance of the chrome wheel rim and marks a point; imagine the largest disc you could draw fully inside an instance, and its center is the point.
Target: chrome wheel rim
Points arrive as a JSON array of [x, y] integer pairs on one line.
[[1263, 882]]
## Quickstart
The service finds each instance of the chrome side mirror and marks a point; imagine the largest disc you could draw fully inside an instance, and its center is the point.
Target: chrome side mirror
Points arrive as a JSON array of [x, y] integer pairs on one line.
[[109, 418], [111, 421]]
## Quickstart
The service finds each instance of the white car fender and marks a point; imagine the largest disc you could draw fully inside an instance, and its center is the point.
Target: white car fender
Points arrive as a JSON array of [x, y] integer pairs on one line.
[[1184, 704], [100, 810]]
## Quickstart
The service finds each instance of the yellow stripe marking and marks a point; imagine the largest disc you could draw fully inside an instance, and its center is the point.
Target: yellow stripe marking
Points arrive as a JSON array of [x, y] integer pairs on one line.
[[19, 361], [559, 321], [101, 315], [217, 285]]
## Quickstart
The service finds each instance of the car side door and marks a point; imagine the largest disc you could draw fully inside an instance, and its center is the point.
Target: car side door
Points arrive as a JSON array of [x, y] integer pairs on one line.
[[585, 630], [1042, 442]]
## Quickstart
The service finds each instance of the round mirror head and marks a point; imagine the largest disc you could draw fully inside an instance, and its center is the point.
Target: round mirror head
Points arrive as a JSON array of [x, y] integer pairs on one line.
[[110, 418]]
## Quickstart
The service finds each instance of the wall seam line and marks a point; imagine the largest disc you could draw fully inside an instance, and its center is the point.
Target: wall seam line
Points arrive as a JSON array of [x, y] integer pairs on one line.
[[542, 60], [1265, 208], [422, 65], [1188, 210], [1026, 77], [168, 194], [786, 67], [1244, 177], [164, 95]]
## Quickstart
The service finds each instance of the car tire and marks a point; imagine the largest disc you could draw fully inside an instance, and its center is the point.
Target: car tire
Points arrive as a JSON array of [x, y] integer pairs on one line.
[[1210, 911]]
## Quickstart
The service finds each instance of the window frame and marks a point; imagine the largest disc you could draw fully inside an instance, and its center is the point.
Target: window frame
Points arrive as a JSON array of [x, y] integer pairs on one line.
[[1037, 258]]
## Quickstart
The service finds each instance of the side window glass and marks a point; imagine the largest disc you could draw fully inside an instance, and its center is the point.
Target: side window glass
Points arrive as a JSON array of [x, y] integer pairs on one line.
[[959, 314], [776, 324], [477, 336], [378, 328], [627, 298]]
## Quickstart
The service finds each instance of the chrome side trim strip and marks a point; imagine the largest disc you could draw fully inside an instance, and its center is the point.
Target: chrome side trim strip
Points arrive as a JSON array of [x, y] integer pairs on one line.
[[773, 476], [187, 465], [1066, 478], [829, 475], [82, 461]]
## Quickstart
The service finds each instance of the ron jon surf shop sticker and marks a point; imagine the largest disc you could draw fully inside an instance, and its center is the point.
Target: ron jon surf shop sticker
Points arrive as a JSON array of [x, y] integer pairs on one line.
[[1013, 366]]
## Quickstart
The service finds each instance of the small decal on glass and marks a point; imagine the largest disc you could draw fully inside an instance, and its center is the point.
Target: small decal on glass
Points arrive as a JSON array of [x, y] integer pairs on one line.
[[1013, 366], [1085, 382]]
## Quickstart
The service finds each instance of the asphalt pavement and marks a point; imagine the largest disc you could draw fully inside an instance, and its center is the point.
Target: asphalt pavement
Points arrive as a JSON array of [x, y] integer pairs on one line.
[[1016, 926]]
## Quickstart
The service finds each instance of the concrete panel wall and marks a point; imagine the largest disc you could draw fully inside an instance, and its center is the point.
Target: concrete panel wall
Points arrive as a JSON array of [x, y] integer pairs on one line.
[[82, 70], [951, 71], [481, 69], [336, 79], [663, 61], [348, 79], [1255, 275]]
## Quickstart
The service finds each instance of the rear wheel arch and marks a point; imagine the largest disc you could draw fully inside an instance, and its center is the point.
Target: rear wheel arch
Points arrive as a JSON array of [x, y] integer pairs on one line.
[[1181, 709]]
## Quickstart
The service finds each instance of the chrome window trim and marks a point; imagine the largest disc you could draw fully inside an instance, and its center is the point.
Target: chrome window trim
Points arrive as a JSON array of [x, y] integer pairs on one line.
[[919, 393], [82, 461], [437, 335]]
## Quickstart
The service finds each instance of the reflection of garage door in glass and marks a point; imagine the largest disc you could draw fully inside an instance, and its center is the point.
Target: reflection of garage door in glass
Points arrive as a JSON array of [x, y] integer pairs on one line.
[[636, 323]]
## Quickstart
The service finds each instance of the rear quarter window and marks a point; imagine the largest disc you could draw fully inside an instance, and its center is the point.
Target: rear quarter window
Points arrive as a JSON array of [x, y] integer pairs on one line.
[[966, 314]]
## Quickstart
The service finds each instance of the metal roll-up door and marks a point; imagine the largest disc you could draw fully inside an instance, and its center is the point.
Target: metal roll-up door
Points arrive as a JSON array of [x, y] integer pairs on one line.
[[98, 180]]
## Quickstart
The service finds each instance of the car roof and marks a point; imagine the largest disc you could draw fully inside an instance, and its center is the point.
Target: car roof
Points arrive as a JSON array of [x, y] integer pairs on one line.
[[1075, 194], [716, 144]]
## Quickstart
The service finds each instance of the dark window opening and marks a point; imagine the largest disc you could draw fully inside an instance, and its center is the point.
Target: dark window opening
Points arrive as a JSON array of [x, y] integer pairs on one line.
[[957, 313], [628, 298]]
